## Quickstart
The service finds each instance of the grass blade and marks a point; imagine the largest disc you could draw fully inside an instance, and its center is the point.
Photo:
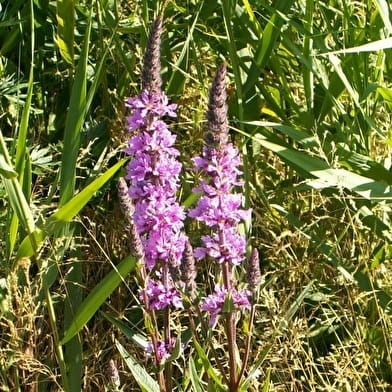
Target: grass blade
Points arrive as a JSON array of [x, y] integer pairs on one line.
[[65, 16], [74, 121], [195, 379], [98, 296], [66, 213], [144, 380]]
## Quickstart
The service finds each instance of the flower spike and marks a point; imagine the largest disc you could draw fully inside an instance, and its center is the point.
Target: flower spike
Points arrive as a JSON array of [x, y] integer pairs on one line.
[[218, 130], [151, 74]]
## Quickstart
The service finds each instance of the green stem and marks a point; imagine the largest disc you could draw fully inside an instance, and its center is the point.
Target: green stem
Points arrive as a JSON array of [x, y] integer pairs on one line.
[[230, 329], [166, 330], [247, 344], [57, 346]]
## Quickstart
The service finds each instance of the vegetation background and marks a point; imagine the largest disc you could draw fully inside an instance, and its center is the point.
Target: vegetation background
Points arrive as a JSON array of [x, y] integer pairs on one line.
[[309, 102]]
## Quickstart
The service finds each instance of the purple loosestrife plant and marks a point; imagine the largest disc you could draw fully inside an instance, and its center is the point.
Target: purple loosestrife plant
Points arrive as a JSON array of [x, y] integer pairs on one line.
[[153, 172], [155, 223], [220, 209]]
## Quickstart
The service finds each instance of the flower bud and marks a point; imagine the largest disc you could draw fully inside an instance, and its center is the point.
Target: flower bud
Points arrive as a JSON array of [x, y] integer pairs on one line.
[[253, 274], [218, 129], [151, 74]]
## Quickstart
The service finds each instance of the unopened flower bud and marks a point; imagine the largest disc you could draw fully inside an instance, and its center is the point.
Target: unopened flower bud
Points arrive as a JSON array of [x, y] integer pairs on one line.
[[135, 242], [188, 268], [112, 372], [253, 274], [151, 74], [173, 268], [125, 201], [218, 129]]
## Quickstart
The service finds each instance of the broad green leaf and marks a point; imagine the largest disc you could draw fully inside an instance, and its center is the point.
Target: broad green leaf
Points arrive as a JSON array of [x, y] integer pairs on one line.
[[98, 296], [327, 176], [386, 93], [144, 380]]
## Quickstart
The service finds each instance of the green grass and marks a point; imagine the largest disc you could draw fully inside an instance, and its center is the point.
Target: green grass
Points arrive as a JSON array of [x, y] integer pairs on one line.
[[309, 108]]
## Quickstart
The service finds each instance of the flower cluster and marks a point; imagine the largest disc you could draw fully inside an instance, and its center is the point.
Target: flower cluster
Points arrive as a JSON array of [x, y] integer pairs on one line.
[[218, 207], [163, 350], [159, 296], [153, 173], [213, 304]]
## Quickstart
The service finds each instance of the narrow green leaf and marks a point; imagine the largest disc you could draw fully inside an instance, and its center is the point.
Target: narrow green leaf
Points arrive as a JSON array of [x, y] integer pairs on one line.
[[195, 379], [255, 367], [339, 70], [191, 199], [208, 367], [6, 170], [98, 296], [65, 16], [66, 213], [177, 78], [138, 339], [73, 124], [144, 380], [374, 46], [383, 8], [267, 41], [14, 191], [266, 386]]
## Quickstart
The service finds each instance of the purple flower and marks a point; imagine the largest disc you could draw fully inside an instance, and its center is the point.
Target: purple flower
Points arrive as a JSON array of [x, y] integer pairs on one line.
[[160, 297], [147, 109], [164, 350], [154, 178], [218, 207], [213, 304], [230, 249]]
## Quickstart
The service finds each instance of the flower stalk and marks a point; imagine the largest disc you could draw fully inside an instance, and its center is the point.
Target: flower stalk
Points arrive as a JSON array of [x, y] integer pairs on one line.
[[153, 173], [220, 209]]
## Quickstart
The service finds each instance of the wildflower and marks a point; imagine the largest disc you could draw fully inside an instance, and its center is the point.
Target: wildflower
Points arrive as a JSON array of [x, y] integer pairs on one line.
[[161, 296], [213, 304], [218, 207], [164, 350], [154, 169]]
